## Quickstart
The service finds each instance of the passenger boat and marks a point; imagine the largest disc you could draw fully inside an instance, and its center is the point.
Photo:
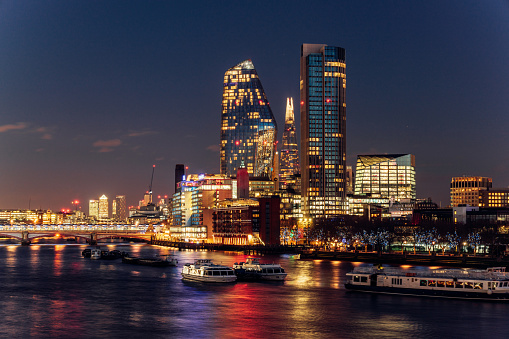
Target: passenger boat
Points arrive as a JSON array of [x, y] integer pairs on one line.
[[162, 261], [252, 268], [204, 270], [489, 284]]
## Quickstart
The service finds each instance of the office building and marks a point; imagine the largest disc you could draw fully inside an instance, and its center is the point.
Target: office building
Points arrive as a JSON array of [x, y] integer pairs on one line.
[[467, 190], [248, 128], [93, 209], [386, 176], [494, 198], [103, 208], [289, 164], [119, 208], [323, 129]]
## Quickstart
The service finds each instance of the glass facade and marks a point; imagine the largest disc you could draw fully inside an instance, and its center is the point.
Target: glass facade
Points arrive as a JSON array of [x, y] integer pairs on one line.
[[468, 190], [323, 128], [289, 164], [248, 128], [389, 176]]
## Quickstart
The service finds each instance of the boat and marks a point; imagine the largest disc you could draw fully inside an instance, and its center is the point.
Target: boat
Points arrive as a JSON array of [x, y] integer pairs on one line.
[[489, 284], [253, 267], [162, 261], [205, 271], [95, 253], [112, 255], [86, 252]]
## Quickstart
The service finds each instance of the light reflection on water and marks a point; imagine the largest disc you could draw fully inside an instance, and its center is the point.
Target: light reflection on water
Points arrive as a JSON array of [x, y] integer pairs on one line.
[[52, 291]]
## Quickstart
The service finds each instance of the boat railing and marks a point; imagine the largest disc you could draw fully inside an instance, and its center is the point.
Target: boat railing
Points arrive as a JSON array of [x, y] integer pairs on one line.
[[437, 273]]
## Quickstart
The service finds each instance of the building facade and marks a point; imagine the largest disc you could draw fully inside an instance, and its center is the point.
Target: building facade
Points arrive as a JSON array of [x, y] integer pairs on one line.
[[119, 208], [248, 128], [103, 208], [467, 190], [323, 129], [495, 198], [289, 164], [386, 176], [93, 209]]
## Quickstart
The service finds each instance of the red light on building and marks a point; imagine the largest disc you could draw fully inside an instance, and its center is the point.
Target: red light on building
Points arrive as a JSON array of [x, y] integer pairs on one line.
[[328, 100], [237, 142], [302, 103], [261, 102]]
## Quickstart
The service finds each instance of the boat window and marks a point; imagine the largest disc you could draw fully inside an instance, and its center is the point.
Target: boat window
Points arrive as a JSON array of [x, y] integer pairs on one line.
[[424, 283], [264, 270], [458, 284], [364, 279], [216, 273], [356, 278], [223, 273], [282, 270], [505, 284], [469, 284], [449, 284], [432, 283], [478, 286], [440, 283]]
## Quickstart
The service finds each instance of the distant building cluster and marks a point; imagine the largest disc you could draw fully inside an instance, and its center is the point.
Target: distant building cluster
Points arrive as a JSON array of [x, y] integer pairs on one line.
[[266, 193]]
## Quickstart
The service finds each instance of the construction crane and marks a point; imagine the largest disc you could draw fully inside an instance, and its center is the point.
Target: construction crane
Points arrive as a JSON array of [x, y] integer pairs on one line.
[[149, 192]]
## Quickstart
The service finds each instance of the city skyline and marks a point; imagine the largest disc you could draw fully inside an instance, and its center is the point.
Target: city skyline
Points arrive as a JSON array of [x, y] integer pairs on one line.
[[93, 95]]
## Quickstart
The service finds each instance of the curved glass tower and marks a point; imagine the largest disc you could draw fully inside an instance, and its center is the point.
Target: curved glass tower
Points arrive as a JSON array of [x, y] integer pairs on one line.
[[248, 128], [289, 163]]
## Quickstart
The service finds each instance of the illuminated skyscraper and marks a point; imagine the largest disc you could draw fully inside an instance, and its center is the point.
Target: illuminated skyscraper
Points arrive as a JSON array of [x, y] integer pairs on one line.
[[468, 190], [323, 128], [248, 128], [119, 208], [289, 164], [93, 209], [390, 176], [103, 207]]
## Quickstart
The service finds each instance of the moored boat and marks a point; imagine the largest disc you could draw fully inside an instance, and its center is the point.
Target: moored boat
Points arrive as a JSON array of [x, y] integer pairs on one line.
[[162, 261], [205, 271], [95, 253], [489, 284], [253, 268]]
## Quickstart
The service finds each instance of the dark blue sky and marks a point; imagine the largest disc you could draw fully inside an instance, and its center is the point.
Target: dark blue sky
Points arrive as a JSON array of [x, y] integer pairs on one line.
[[92, 93]]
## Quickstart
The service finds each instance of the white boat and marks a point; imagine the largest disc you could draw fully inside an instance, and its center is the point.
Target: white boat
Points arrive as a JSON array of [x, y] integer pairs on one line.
[[95, 253], [204, 270], [266, 271], [489, 284]]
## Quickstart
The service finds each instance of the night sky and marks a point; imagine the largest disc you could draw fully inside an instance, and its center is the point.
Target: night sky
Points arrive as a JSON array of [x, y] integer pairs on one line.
[[93, 93]]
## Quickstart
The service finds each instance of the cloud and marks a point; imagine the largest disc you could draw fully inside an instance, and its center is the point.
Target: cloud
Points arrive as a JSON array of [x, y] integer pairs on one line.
[[107, 145], [140, 133], [10, 127], [46, 135], [213, 148]]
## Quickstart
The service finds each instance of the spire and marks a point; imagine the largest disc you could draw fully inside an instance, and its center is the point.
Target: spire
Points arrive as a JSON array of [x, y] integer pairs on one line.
[[289, 110]]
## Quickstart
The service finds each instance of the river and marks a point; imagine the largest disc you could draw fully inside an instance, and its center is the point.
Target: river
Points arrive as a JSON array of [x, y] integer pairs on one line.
[[50, 290]]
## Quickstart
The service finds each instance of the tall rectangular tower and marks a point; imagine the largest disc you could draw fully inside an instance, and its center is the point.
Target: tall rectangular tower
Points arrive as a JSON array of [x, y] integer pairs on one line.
[[323, 129]]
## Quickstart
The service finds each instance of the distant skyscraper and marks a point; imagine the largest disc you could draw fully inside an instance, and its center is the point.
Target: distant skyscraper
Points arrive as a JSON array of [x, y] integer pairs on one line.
[[103, 207], [180, 171], [323, 129], [93, 209], [248, 128], [289, 164], [389, 176], [119, 208]]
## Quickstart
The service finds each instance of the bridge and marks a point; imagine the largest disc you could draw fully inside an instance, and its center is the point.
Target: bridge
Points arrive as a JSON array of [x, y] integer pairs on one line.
[[91, 233]]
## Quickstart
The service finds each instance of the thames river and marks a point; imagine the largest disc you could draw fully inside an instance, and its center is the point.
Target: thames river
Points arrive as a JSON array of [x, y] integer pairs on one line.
[[50, 290]]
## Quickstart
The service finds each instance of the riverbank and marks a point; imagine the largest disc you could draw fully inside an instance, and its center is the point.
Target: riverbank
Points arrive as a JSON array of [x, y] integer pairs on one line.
[[409, 259]]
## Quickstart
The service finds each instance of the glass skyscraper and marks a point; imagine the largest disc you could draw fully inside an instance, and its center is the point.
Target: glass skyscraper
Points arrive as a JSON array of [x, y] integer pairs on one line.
[[389, 176], [248, 128], [289, 164], [323, 129]]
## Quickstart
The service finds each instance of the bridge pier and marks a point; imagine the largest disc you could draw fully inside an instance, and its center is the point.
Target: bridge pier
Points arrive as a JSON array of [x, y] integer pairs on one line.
[[93, 239], [25, 241]]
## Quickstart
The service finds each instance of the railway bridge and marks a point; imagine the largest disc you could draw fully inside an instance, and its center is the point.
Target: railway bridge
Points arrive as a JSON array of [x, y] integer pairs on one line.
[[91, 233]]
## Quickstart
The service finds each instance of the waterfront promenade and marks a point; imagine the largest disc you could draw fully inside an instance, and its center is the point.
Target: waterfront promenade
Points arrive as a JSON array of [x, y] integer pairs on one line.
[[309, 253]]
